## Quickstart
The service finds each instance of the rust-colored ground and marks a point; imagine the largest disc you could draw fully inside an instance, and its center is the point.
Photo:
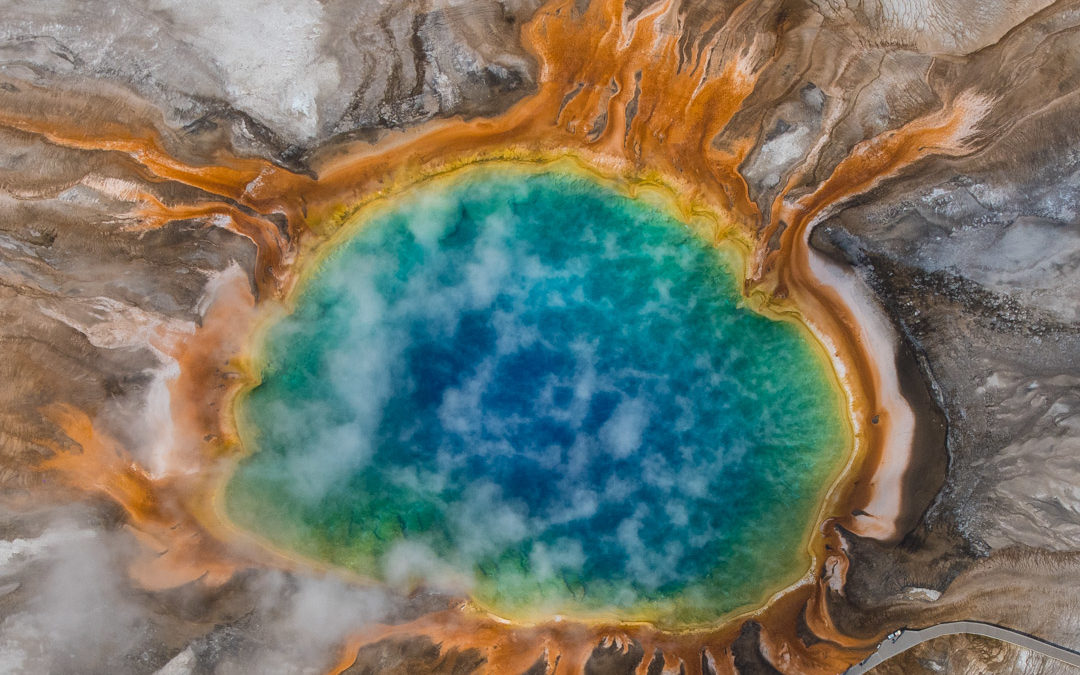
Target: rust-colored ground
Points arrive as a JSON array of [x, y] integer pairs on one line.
[[616, 93]]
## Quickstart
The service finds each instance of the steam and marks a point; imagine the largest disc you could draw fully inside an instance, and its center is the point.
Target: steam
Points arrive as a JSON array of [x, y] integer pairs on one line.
[[71, 608], [75, 609], [302, 622], [432, 351]]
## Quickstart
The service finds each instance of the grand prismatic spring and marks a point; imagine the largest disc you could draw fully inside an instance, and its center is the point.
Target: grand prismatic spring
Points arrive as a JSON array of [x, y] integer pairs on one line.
[[539, 337], [533, 389]]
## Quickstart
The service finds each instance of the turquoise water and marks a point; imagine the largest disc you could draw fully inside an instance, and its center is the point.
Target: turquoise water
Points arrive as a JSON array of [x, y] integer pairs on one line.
[[529, 387]]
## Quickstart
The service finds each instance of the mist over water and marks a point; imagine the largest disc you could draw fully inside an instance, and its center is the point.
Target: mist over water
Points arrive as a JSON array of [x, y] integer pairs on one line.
[[527, 387]]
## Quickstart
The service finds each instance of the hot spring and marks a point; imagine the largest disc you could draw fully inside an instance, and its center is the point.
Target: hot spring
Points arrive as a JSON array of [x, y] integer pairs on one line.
[[530, 388]]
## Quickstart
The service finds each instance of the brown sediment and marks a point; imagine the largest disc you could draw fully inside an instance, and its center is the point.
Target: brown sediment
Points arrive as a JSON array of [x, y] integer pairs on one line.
[[868, 350], [176, 549], [248, 192], [592, 67]]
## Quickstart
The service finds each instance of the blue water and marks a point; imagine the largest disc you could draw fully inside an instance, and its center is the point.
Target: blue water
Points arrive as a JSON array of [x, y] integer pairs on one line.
[[528, 387]]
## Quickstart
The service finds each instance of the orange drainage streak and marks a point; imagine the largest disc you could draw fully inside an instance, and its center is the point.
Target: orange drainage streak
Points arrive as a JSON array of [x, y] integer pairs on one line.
[[873, 385], [597, 59], [143, 146], [273, 250], [681, 107], [567, 645], [177, 549], [134, 128], [945, 132], [816, 614], [253, 183], [208, 374], [162, 510], [101, 466]]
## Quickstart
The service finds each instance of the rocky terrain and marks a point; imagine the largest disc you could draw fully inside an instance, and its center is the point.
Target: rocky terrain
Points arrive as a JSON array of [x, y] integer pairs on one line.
[[163, 165]]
